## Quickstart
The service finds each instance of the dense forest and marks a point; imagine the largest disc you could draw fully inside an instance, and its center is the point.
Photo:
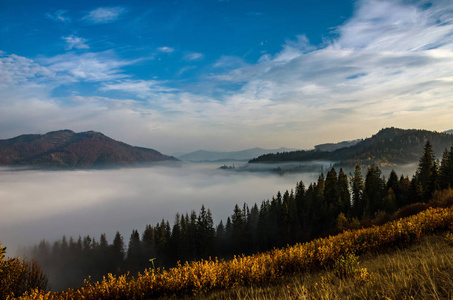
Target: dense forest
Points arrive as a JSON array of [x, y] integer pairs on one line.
[[335, 202], [390, 146]]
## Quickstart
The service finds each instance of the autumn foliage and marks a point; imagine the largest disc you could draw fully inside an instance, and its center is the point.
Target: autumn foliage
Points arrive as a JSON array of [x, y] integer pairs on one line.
[[264, 268]]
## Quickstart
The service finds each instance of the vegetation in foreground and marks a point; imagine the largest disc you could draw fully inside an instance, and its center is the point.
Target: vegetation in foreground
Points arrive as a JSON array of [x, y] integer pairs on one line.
[[337, 252], [421, 271], [18, 276]]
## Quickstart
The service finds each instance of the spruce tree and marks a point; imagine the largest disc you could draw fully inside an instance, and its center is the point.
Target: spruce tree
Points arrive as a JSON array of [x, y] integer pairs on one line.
[[425, 172], [345, 195], [446, 170], [374, 191], [358, 205]]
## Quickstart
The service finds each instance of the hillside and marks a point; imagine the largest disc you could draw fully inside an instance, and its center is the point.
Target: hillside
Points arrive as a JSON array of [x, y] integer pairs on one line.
[[65, 148], [329, 147], [421, 271], [340, 254], [390, 146], [243, 155]]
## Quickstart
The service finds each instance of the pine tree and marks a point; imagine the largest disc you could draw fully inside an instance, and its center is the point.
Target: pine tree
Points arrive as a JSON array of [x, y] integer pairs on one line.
[[149, 250], [394, 183], [134, 252], [358, 205], [206, 232], [345, 195], [118, 251], [238, 229], [374, 190], [446, 170], [425, 172]]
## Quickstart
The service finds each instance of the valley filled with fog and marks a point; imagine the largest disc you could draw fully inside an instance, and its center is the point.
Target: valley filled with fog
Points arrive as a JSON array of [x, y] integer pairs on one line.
[[38, 205]]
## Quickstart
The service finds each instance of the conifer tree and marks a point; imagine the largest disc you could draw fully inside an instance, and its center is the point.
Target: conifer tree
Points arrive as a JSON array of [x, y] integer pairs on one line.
[[206, 232], [426, 172], [446, 170], [374, 191], [358, 205], [118, 251], [134, 252], [345, 195]]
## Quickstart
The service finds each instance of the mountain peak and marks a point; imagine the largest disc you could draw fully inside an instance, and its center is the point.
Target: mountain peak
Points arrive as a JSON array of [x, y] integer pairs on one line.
[[65, 148]]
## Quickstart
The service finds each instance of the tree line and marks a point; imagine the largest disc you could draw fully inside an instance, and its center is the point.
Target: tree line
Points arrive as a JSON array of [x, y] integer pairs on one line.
[[336, 201], [389, 145]]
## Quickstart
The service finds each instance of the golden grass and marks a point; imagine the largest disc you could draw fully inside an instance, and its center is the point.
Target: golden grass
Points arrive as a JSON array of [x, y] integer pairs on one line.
[[261, 270], [421, 271]]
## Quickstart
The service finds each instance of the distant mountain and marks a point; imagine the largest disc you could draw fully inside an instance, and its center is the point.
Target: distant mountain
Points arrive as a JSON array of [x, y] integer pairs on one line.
[[244, 155], [449, 131], [390, 146], [66, 148], [329, 147]]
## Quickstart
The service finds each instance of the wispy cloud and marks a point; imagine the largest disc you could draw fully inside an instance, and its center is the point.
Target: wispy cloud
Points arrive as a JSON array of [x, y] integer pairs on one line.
[[16, 69], [390, 64], [104, 15], [59, 16], [388, 58], [166, 49], [193, 56], [73, 41], [140, 88], [98, 66]]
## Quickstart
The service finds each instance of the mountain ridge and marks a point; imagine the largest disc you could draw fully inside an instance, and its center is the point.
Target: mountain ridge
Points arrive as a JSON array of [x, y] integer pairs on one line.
[[390, 146], [68, 149]]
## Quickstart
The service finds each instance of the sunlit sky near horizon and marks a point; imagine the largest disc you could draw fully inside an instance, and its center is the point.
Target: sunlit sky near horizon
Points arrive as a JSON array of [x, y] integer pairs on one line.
[[179, 76]]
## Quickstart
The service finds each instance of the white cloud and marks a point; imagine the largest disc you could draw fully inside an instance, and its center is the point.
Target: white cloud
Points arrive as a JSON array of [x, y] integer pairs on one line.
[[396, 26], [193, 56], [98, 66], [388, 59], [166, 49], [230, 62], [59, 16], [16, 69], [104, 15], [391, 64], [141, 88], [73, 41]]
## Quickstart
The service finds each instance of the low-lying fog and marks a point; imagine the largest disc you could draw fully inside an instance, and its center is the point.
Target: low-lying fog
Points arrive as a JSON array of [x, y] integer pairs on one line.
[[38, 205]]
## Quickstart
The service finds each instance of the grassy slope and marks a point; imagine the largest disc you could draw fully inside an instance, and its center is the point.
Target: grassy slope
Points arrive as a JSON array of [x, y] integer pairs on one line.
[[421, 271], [424, 270]]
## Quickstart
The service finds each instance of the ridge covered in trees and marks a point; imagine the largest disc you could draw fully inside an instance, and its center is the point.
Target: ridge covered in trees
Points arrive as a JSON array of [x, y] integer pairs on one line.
[[390, 146], [334, 203], [67, 149]]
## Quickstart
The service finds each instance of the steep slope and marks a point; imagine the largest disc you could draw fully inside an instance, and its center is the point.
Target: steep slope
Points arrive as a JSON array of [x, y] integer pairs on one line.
[[65, 148], [390, 146]]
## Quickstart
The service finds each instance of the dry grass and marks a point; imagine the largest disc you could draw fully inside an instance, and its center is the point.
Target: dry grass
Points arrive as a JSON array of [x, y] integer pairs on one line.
[[327, 268], [421, 271]]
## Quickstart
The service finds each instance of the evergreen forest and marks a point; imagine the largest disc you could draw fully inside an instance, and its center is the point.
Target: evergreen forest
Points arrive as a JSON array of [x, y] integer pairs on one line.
[[335, 202]]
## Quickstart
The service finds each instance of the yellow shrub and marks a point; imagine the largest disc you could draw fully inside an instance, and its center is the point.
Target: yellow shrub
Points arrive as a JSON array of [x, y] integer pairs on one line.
[[262, 268]]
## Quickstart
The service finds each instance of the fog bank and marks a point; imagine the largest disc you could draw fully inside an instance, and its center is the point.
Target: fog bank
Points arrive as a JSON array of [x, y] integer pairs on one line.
[[38, 205]]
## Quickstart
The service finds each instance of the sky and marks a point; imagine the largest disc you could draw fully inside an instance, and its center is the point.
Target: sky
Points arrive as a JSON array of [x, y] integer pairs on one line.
[[178, 76]]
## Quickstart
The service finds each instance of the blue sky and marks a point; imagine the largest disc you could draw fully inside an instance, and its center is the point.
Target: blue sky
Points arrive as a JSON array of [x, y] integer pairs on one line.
[[178, 76]]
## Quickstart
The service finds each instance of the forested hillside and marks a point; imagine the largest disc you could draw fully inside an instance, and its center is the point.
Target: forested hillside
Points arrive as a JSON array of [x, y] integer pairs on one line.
[[65, 148], [390, 146], [334, 203]]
